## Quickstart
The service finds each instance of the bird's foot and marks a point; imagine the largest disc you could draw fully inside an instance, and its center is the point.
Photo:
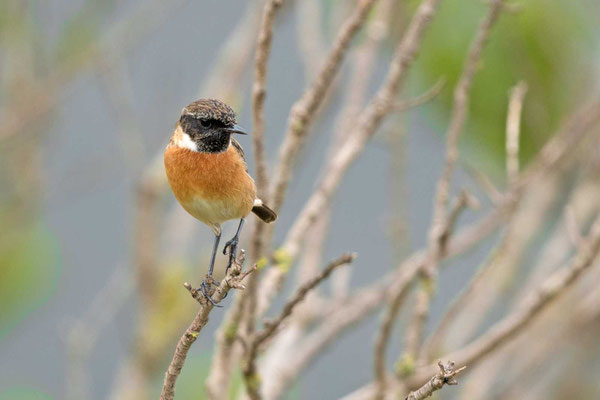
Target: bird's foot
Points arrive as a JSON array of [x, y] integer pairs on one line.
[[231, 246], [205, 288], [231, 249]]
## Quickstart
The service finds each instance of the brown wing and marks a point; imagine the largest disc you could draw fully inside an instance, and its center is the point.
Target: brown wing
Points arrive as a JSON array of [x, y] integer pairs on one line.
[[238, 148]]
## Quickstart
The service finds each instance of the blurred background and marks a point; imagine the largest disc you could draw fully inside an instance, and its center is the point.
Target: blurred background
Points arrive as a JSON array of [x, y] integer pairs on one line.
[[89, 94]]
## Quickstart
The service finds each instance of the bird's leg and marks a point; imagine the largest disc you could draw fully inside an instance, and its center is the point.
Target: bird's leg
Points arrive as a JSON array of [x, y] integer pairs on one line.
[[208, 281], [232, 245]]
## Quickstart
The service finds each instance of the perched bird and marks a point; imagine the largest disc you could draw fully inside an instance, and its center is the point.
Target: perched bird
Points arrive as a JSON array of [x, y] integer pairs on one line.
[[208, 174]]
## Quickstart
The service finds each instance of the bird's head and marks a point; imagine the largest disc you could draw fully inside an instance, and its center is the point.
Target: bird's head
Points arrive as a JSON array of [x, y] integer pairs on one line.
[[207, 125]]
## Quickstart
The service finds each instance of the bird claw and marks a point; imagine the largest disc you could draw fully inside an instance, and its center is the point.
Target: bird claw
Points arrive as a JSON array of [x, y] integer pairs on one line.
[[207, 282], [231, 245]]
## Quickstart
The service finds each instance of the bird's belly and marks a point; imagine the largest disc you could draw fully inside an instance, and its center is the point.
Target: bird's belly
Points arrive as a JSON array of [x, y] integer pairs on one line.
[[211, 187], [216, 211]]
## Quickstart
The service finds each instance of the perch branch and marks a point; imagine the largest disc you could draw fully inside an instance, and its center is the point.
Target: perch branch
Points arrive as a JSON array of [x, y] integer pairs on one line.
[[233, 280], [263, 49]]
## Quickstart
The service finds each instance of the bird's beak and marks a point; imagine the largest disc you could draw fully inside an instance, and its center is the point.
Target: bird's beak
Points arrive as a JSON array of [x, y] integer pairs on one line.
[[237, 129]]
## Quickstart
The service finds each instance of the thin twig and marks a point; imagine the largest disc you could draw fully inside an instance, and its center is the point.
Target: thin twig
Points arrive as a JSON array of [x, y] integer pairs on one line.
[[382, 341], [263, 49], [232, 280], [484, 183], [445, 376], [359, 306], [480, 293], [414, 331], [367, 123], [423, 98], [258, 338], [277, 365], [421, 307], [513, 130], [440, 221], [571, 226], [433, 343], [298, 124], [225, 75], [499, 334], [459, 114], [305, 107]]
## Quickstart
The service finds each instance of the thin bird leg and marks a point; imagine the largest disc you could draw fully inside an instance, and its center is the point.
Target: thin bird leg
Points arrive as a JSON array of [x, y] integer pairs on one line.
[[208, 281], [232, 245]]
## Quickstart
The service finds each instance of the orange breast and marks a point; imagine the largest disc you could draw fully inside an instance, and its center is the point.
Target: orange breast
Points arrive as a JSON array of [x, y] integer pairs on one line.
[[213, 187]]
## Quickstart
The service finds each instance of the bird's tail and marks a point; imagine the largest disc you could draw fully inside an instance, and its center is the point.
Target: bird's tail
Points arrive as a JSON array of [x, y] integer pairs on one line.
[[263, 211]]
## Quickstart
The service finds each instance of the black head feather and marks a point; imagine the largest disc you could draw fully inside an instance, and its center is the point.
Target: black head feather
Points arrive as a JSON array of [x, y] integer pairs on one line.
[[208, 122]]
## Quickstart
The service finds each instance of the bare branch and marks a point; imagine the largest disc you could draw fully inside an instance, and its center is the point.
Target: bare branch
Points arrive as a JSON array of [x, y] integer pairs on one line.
[[445, 375], [572, 227], [383, 339], [298, 124], [423, 98], [485, 184], [441, 224], [513, 130], [459, 112], [281, 370], [305, 107], [351, 311], [258, 338], [271, 327], [232, 280], [263, 49], [499, 334]]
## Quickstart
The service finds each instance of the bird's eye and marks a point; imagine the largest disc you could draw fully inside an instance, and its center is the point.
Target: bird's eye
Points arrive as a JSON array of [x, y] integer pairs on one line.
[[205, 123]]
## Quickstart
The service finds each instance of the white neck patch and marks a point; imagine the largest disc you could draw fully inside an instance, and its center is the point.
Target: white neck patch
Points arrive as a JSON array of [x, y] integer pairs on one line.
[[186, 142]]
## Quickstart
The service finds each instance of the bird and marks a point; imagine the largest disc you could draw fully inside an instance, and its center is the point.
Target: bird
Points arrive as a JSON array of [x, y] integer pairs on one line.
[[207, 172]]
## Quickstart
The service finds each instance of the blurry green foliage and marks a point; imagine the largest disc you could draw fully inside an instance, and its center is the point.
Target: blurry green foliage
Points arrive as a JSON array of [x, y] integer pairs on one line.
[[29, 270], [23, 394], [548, 44], [15, 25], [82, 29], [172, 304]]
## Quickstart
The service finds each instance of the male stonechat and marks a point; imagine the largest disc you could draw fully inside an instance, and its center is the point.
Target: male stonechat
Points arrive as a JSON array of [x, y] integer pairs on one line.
[[208, 174]]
